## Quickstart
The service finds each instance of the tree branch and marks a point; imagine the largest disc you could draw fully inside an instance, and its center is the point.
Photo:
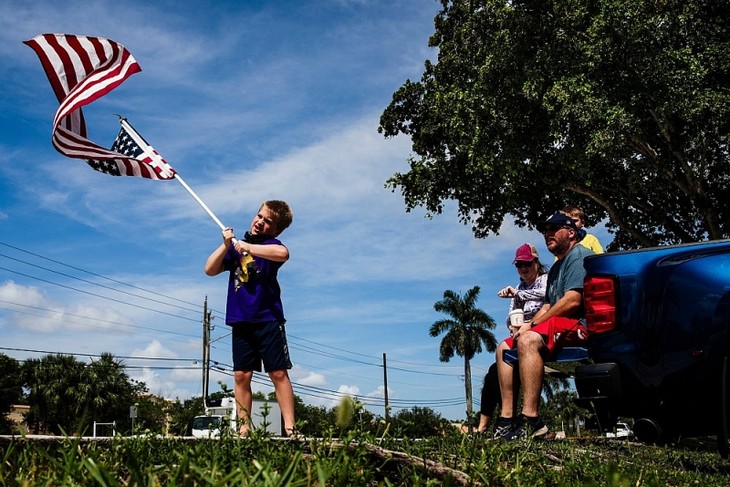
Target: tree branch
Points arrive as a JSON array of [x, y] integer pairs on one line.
[[432, 467]]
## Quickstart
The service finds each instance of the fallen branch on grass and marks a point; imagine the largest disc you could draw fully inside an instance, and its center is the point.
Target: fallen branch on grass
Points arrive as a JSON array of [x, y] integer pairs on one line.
[[434, 468]]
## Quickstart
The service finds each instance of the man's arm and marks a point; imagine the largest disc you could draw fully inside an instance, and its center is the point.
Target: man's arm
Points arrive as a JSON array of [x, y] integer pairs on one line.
[[566, 306]]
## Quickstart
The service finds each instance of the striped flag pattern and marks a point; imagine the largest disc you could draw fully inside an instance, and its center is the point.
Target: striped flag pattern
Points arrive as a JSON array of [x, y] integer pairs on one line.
[[82, 69]]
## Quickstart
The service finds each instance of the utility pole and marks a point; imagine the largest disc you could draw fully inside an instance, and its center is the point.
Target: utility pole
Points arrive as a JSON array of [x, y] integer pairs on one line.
[[206, 352], [385, 389]]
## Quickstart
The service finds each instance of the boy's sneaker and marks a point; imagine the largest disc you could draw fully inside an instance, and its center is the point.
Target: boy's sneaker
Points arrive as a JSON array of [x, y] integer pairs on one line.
[[527, 427], [502, 427]]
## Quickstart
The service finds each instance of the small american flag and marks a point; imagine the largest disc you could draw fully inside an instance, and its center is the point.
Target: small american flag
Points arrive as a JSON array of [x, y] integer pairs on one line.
[[82, 69]]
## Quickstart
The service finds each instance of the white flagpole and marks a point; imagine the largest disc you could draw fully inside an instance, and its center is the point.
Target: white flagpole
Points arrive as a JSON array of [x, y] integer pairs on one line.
[[142, 143], [200, 202]]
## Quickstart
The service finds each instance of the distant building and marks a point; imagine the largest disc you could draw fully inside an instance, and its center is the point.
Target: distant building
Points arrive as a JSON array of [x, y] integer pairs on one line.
[[17, 413]]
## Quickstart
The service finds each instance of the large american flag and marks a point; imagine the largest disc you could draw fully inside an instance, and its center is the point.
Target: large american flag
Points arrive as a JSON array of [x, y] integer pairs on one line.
[[82, 69]]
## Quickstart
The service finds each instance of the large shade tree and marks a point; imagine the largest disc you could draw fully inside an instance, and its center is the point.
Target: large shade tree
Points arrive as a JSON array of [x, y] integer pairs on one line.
[[619, 106], [466, 332]]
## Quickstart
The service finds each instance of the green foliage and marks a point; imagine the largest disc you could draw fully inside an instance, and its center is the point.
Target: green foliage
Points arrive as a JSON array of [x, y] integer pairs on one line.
[[313, 420], [152, 414], [11, 389], [67, 396], [182, 415], [419, 422], [63, 401], [619, 106], [318, 421], [561, 411]]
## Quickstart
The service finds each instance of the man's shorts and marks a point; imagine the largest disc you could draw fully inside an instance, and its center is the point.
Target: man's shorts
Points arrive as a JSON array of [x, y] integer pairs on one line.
[[559, 332], [254, 343]]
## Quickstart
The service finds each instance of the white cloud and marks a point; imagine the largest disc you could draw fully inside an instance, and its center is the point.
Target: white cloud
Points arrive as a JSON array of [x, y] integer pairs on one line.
[[22, 295], [350, 390], [380, 393], [307, 378], [156, 383], [34, 311], [154, 349]]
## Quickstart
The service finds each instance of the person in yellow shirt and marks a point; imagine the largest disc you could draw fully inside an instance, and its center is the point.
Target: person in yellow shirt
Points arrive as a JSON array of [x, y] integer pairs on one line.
[[587, 240]]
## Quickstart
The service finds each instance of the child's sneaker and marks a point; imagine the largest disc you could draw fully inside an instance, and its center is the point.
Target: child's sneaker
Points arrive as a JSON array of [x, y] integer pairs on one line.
[[502, 427], [527, 427]]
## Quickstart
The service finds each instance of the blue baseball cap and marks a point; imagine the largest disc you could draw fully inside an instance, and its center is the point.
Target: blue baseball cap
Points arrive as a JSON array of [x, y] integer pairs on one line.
[[558, 220]]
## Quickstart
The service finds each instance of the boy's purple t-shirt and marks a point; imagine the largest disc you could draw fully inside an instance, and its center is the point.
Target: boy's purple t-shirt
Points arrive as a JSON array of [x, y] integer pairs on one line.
[[259, 299]]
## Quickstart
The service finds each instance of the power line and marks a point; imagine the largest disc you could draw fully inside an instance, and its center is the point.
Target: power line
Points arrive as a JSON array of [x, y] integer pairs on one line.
[[369, 356], [99, 320], [97, 295], [96, 355], [330, 395], [148, 291]]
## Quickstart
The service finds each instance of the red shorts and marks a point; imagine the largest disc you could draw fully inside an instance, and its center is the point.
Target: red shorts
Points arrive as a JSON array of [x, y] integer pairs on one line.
[[558, 332]]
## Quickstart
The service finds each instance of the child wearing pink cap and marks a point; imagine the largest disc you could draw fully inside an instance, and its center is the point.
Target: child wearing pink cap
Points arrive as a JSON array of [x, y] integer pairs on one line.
[[529, 296]]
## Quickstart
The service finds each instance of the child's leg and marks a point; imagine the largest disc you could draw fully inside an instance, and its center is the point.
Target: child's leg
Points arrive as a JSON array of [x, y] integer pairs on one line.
[[505, 373], [285, 397], [244, 399]]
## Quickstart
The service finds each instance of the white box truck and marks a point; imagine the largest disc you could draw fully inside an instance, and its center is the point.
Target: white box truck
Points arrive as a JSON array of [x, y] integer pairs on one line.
[[265, 414]]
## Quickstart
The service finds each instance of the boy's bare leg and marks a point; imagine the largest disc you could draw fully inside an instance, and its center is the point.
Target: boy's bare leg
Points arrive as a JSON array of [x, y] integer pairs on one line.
[[244, 399], [285, 398], [483, 423]]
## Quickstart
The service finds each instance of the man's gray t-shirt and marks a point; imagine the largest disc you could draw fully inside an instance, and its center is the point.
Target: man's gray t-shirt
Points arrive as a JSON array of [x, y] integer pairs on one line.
[[567, 274]]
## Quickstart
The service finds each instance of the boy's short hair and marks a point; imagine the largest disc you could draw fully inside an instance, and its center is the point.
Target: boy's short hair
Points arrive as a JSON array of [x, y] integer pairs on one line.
[[574, 212], [281, 211]]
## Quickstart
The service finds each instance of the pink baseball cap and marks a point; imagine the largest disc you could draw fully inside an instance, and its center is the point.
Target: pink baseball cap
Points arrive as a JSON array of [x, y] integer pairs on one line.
[[526, 252]]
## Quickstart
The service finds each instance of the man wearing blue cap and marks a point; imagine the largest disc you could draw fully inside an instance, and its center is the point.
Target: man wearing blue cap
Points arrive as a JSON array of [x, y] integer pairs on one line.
[[558, 323]]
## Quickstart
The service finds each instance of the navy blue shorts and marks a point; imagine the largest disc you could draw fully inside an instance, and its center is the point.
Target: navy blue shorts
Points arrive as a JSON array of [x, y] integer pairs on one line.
[[254, 343]]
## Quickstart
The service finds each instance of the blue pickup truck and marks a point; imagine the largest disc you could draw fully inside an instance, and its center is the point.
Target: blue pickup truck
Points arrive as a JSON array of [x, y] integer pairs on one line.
[[659, 346]]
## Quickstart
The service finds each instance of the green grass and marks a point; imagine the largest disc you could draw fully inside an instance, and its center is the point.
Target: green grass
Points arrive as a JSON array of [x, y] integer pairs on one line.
[[358, 459]]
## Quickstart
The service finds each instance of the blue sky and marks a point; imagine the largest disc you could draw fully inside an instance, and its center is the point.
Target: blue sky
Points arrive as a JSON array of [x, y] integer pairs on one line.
[[247, 101]]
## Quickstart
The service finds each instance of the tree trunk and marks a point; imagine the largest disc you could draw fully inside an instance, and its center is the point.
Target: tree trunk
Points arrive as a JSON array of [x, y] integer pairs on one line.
[[467, 386]]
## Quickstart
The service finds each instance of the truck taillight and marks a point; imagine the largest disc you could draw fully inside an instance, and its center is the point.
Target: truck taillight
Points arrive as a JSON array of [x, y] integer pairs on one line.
[[599, 299]]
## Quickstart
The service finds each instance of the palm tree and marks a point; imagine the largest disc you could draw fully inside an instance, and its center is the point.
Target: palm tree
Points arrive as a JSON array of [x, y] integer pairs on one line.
[[53, 384], [466, 331], [66, 395], [562, 407], [107, 391]]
